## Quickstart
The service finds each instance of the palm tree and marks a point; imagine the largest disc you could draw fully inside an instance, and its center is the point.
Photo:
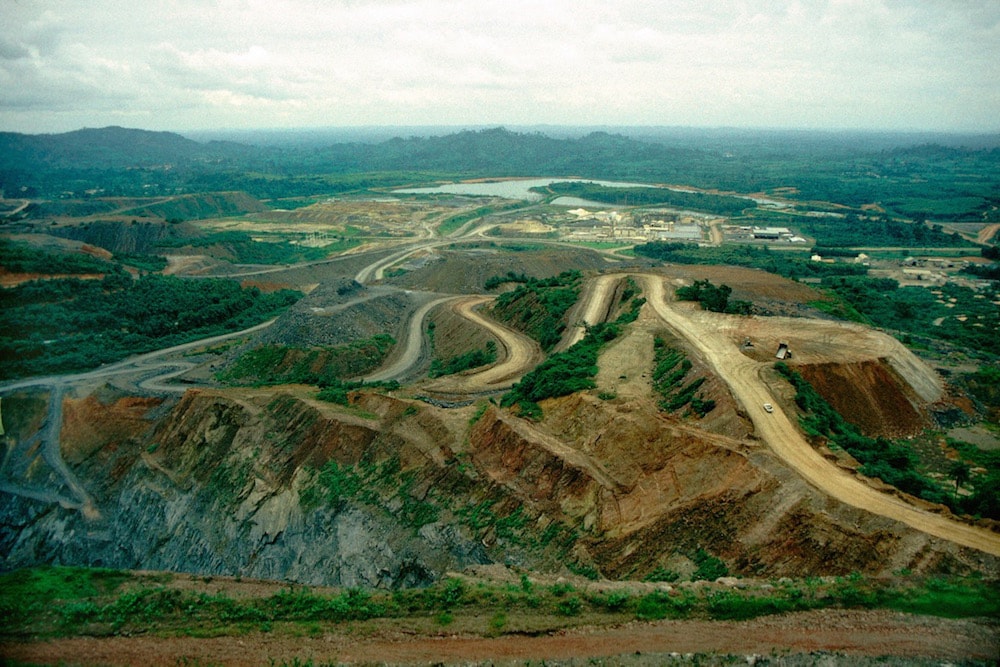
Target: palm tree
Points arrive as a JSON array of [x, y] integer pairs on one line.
[[960, 471]]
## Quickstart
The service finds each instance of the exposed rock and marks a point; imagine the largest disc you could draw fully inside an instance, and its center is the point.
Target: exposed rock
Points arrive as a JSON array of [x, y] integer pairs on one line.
[[229, 482]]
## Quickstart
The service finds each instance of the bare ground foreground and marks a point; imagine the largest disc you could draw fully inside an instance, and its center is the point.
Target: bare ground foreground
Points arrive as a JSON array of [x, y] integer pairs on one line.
[[821, 637]]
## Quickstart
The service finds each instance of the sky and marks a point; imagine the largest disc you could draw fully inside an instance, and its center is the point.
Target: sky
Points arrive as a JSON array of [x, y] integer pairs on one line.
[[185, 65]]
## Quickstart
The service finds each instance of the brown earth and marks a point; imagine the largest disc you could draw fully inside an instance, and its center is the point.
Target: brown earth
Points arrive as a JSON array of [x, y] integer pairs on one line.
[[852, 634], [465, 271], [8, 279], [871, 395], [122, 419]]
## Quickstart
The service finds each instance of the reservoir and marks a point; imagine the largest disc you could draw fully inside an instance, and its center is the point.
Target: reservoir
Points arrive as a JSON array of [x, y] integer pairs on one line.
[[514, 188]]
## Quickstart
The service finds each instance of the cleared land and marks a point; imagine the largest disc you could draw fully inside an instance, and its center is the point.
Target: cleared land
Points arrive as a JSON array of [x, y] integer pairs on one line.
[[851, 633], [519, 354], [742, 374]]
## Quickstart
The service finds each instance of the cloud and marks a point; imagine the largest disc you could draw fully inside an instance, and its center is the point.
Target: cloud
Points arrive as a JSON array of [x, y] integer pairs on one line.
[[195, 64]]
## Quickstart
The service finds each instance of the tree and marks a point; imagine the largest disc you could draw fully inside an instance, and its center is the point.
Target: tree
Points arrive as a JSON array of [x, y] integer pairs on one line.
[[960, 472]]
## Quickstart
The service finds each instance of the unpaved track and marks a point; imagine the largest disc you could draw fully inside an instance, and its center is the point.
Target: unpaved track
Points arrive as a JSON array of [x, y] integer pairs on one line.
[[742, 374], [594, 307], [411, 347], [987, 233], [850, 633], [521, 353]]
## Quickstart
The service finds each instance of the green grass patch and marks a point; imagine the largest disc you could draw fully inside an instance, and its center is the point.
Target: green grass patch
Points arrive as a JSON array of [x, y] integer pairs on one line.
[[67, 601], [324, 366]]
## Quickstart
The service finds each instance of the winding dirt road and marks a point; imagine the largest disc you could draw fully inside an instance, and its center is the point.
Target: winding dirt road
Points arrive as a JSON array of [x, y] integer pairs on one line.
[[412, 346], [742, 374], [593, 307], [520, 354]]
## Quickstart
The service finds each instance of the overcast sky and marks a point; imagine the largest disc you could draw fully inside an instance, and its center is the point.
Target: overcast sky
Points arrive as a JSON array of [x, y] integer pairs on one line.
[[202, 64]]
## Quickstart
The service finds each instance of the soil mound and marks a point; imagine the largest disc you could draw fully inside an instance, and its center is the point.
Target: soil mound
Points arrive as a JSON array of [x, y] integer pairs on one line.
[[871, 395], [465, 271]]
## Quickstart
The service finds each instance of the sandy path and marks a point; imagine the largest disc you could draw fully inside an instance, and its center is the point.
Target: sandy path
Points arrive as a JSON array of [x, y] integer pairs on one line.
[[595, 302], [987, 233], [742, 375], [520, 354]]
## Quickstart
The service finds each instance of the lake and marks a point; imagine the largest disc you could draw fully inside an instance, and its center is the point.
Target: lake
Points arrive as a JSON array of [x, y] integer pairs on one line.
[[513, 189]]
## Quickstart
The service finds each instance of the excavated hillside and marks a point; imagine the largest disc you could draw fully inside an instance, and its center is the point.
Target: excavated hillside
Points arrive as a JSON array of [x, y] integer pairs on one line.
[[271, 483], [341, 311], [119, 237], [466, 270], [391, 491], [871, 395]]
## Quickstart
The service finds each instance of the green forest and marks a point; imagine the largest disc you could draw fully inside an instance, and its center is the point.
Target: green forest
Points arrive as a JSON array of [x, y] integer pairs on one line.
[[640, 196], [938, 177], [65, 325]]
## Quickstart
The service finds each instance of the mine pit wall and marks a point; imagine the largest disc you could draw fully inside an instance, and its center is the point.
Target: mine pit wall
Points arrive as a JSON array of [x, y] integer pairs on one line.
[[872, 395], [213, 487]]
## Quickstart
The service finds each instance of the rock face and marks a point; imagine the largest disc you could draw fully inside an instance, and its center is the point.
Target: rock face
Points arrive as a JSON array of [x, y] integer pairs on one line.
[[214, 488], [271, 483]]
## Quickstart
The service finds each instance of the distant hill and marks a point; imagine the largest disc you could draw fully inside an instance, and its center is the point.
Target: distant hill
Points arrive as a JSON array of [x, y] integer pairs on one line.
[[104, 148], [499, 151], [943, 182]]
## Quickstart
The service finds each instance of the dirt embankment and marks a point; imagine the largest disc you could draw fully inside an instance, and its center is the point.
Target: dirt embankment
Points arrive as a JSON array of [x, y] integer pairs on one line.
[[871, 395], [465, 271], [776, 429]]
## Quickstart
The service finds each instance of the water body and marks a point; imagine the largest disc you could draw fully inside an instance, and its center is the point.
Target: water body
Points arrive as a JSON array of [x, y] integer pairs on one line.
[[515, 188]]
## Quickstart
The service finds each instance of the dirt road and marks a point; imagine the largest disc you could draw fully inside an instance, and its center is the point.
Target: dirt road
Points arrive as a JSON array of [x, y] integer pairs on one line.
[[520, 354], [849, 633], [412, 346], [987, 233], [593, 307], [742, 374]]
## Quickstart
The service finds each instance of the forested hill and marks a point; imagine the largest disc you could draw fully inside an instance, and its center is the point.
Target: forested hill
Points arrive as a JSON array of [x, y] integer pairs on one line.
[[501, 152], [99, 149], [908, 179]]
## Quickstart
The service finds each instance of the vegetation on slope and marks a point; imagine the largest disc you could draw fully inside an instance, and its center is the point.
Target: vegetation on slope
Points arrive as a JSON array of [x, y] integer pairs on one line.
[[71, 601], [892, 462], [561, 374], [323, 366], [571, 371], [22, 258], [58, 326], [464, 362], [670, 368], [537, 307]]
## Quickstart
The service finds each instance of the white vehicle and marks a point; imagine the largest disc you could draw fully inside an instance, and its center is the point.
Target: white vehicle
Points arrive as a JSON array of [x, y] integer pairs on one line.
[[768, 407]]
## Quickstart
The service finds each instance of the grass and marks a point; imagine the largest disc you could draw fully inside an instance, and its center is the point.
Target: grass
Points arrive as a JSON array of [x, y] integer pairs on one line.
[[69, 601]]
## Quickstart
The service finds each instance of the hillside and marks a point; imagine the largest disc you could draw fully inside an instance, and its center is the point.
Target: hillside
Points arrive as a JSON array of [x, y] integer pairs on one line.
[[608, 484]]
